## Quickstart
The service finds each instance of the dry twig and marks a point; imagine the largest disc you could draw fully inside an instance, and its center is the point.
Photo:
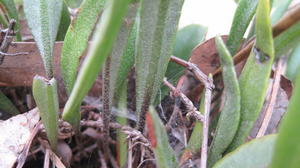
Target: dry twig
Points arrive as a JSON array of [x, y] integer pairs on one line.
[[7, 41], [208, 83], [271, 102]]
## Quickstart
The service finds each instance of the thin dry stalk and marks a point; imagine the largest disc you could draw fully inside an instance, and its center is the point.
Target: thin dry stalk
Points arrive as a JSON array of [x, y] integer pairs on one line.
[[7, 41], [208, 83], [47, 159], [271, 102]]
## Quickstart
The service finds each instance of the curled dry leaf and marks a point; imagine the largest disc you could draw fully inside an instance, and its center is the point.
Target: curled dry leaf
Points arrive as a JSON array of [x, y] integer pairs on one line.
[[15, 133]]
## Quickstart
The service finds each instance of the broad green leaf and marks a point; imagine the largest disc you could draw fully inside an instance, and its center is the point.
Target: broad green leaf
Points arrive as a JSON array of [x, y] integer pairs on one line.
[[287, 40], [187, 38], [293, 64], [156, 34], [10, 7], [113, 62], [43, 17], [287, 149], [279, 7], [46, 98], [254, 154], [7, 106], [242, 17], [230, 115], [121, 138], [164, 154], [105, 35], [73, 3], [254, 78], [76, 40], [64, 23]]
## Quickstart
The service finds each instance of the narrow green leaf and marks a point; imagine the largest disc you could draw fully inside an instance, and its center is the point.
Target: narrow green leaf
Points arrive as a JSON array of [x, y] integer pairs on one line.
[[254, 154], [106, 34], [76, 40], [10, 7], [64, 23], [46, 98], [230, 114], [293, 64], [164, 154], [7, 106], [43, 17], [242, 17], [187, 38], [255, 75], [117, 55], [156, 34], [287, 40], [287, 150], [279, 7]]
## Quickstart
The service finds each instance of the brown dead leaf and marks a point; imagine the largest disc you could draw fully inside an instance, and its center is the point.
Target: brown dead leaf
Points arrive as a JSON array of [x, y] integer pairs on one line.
[[15, 134]]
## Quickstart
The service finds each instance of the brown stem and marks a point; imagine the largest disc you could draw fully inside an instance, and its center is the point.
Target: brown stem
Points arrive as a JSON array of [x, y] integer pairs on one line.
[[292, 17]]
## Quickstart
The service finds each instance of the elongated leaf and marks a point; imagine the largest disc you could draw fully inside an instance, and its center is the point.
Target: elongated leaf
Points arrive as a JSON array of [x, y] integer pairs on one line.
[[64, 23], [230, 114], [157, 29], [10, 7], [287, 40], [242, 17], [43, 17], [113, 62], [279, 7], [164, 154], [255, 75], [293, 64], [287, 150], [76, 39], [106, 34], [7, 106], [187, 38], [254, 154], [46, 98]]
